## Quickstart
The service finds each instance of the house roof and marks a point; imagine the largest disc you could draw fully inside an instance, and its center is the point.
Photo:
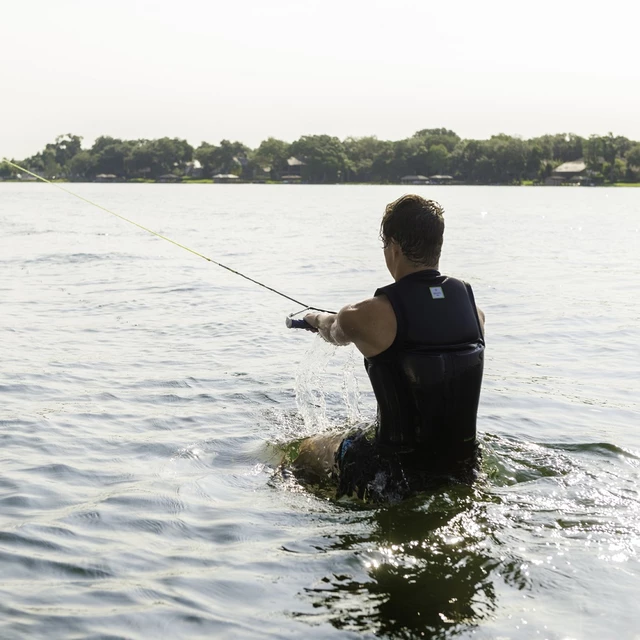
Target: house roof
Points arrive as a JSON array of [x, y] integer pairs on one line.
[[441, 177], [575, 166], [414, 178], [294, 162]]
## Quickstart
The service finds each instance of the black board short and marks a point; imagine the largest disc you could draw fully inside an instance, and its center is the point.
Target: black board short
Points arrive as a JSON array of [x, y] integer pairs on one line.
[[377, 473]]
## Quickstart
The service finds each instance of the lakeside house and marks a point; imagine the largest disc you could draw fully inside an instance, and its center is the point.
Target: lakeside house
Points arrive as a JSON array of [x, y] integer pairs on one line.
[[224, 178], [415, 180], [262, 174], [193, 169], [294, 170], [438, 179], [25, 177], [169, 177], [106, 177], [573, 173]]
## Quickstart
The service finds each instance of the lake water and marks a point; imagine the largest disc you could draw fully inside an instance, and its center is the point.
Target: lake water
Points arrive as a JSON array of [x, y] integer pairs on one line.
[[145, 395]]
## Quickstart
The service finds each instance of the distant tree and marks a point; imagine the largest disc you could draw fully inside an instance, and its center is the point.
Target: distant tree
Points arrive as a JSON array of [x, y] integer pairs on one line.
[[64, 148], [171, 154], [6, 170], [81, 166], [437, 160], [154, 158], [509, 157], [465, 158], [44, 164], [366, 158], [615, 147], [536, 160], [594, 153], [271, 153], [408, 158], [633, 163], [633, 155], [140, 159], [324, 157], [616, 170], [111, 155], [484, 171], [382, 167], [545, 170], [560, 147], [205, 154], [567, 147], [541, 148], [449, 139], [422, 154], [230, 157], [500, 159]]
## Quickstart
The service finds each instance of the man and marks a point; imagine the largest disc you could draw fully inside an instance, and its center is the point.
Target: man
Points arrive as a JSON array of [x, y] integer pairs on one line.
[[422, 339]]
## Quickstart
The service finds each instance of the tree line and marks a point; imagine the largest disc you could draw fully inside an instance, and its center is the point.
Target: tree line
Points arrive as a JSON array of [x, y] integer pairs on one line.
[[502, 159]]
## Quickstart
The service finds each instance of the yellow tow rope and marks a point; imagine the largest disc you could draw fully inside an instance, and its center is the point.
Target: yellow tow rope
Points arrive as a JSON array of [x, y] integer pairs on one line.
[[158, 235]]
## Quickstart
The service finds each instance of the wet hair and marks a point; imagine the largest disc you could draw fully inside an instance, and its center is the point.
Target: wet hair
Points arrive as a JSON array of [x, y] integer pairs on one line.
[[417, 225]]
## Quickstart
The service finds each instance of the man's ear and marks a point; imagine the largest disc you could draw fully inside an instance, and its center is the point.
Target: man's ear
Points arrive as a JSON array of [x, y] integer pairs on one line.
[[396, 251]]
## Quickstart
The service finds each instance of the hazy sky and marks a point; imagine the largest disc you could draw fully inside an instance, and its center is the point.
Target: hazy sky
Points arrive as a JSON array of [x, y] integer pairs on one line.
[[207, 70]]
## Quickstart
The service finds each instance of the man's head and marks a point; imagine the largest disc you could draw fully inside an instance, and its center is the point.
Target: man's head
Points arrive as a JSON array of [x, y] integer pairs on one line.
[[415, 227]]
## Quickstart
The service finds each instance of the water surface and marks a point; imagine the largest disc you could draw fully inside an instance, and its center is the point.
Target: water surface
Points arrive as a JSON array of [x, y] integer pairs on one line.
[[146, 393]]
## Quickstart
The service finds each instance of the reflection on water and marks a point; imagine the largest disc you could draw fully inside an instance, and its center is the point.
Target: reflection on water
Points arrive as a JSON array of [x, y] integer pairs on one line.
[[436, 566], [426, 570]]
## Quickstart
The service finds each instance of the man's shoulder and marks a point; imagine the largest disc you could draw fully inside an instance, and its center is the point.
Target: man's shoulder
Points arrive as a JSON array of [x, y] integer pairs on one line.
[[370, 324], [360, 311]]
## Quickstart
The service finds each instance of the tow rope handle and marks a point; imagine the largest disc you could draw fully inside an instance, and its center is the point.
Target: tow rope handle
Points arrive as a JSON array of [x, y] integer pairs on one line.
[[299, 324]]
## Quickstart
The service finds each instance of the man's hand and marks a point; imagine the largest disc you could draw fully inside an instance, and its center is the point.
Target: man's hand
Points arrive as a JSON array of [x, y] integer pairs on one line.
[[309, 327], [327, 325]]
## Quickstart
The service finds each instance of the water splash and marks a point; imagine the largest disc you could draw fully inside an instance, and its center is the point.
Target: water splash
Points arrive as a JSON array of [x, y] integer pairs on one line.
[[350, 388], [316, 376], [310, 392]]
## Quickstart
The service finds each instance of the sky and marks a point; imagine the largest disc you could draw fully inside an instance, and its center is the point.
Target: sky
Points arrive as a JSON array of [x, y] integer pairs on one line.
[[206, 70]]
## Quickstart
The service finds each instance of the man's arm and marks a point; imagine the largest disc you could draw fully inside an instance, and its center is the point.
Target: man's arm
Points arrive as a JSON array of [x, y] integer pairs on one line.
[[481, 318], [330, 326], [370, 325]]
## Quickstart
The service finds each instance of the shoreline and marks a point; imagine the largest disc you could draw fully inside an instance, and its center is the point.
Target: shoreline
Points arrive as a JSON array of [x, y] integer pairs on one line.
[[285, 183]]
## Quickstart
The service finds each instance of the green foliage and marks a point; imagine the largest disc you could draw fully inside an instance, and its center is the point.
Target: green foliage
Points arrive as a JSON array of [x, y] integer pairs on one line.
[[205, 154], [231, 157], [324, 158], [367, 158], [6, 170], [44, 163], [81, 166], [228, 157], [633, 155], [272, 155], [154, 158], [432, 137], [111, 155], [502, 159], [615, 171], [65, 148]]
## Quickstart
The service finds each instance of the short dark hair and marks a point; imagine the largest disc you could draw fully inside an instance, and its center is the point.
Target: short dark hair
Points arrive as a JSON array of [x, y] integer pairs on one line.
[[417, 225]]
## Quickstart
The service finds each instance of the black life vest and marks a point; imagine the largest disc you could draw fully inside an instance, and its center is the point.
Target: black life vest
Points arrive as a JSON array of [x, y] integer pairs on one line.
[[427, 383]]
